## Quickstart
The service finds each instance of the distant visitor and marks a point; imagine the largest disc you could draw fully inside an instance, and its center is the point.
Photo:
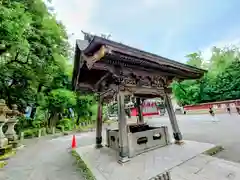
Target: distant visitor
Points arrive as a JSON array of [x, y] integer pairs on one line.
[[212, 114], [238, 110], [228, 110]]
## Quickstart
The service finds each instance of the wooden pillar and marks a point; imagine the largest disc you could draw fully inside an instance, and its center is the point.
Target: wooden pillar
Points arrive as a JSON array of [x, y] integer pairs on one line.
[[176, 131], [122, 126], [139, 109], [99, 124]]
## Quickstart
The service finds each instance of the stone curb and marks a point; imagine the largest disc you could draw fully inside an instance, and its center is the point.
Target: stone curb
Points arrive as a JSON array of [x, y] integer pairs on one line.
[[85, 171], [213, 150]]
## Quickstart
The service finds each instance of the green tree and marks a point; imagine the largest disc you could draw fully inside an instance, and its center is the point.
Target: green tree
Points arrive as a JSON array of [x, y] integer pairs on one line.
[[195, 59], [57, 103], [83, 108], [221, 82], [34, 63], [33, 51]]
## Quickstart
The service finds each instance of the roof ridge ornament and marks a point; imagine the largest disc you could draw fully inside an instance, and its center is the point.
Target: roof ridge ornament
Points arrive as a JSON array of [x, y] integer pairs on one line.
[[106, 36], [87, 36]]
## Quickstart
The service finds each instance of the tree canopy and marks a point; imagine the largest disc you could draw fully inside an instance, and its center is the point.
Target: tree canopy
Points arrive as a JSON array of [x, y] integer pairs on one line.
[[221, 82], [34, 61]]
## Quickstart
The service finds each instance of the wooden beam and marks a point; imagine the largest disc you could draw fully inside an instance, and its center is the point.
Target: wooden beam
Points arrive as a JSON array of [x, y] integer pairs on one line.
[[101, 80]]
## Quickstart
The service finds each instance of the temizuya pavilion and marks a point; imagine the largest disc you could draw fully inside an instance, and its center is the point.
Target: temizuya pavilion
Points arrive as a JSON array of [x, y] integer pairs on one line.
[[110, 68]]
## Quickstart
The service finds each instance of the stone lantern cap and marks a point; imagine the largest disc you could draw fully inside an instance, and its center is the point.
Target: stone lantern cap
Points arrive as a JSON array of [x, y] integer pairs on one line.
[[3, 110], [13, 113]]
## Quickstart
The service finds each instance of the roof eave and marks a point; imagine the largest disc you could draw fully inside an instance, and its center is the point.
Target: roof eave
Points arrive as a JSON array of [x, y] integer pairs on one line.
[[99, 40]]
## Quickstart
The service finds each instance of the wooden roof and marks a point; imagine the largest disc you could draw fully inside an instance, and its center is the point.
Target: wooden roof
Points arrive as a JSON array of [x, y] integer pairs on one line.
[[138, 59]]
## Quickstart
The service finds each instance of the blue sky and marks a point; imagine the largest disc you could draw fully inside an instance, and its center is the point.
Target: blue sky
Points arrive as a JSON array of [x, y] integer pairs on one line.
[[170, 28]]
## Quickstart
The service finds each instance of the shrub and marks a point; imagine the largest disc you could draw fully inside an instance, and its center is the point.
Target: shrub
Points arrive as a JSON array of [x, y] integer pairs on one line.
[[66, 124], [37, 124], [29, 133], [23, 123]]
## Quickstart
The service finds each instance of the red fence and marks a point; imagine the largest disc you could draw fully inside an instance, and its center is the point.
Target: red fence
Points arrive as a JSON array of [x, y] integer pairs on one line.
[[219, 106]]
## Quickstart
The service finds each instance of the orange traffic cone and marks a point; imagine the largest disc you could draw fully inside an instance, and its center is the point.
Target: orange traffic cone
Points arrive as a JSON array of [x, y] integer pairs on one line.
[[74, 143]]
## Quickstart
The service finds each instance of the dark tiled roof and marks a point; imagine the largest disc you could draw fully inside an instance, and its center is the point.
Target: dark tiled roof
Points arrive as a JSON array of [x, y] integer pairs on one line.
[[96, 41]]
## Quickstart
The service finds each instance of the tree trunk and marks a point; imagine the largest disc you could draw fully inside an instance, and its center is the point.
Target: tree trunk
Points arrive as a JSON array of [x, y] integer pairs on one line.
[[49, 120], [78, 120], [53, 120], [33, 112], [34, 108]]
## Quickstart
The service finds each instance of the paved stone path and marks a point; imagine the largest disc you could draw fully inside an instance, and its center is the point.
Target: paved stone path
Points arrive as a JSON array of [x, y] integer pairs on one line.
[[201, 128], [204, 167], [42, 160], [49, 159]]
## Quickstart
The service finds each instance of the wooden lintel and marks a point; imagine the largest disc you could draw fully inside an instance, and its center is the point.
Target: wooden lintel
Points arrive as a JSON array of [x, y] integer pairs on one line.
[[149, 96], [143, 91]]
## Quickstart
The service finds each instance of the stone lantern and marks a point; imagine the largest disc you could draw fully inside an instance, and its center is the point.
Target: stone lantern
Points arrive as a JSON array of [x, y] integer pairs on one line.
[[3, 110], [12, 121]]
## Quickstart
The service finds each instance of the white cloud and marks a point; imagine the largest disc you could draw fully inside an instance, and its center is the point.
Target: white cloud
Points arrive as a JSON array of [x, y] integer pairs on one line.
[[206, 51], [76, 15], [173, 17], [162, 4], [232, 38]]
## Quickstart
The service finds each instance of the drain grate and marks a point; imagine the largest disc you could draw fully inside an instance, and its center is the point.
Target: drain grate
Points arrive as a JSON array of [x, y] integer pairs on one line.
[[163, 176]]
